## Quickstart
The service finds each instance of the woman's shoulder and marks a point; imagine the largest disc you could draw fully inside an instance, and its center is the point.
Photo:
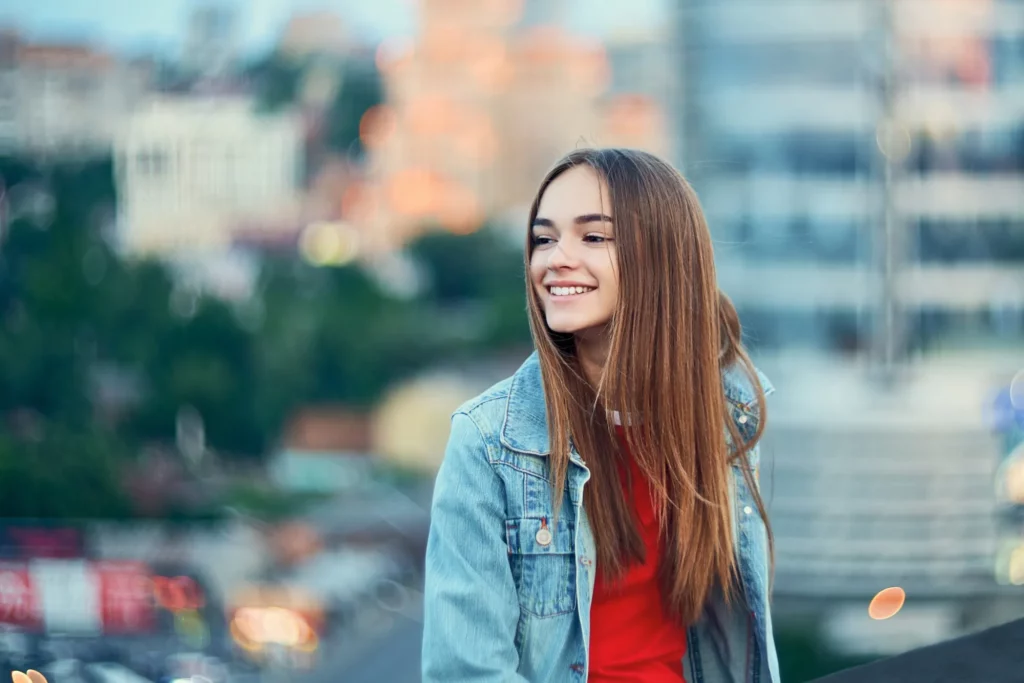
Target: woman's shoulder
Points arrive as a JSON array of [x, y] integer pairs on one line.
[[739, 387], [489, 401], [493, 402], [513, 407]]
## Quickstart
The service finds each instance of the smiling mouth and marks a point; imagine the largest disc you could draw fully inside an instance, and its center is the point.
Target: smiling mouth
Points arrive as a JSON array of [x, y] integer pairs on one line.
[[566, 292]]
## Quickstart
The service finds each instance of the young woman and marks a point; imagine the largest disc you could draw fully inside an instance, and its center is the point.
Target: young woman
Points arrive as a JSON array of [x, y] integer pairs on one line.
[[597, 517]]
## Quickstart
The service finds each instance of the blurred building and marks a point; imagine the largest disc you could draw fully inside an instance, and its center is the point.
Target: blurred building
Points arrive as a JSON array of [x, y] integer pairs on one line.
[[411, 425], [8, 90], [485, 100], [320, 32], [191, 170], [324, 450], [862, 167], [42, 84], [211, 40], [641, 91]]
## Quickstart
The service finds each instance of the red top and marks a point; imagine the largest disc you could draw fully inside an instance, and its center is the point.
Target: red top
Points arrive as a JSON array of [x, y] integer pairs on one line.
[[631, 639]]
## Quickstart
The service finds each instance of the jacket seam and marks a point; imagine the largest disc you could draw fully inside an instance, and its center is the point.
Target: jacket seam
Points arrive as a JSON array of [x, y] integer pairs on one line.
[[479, 402], [483, 439], [525, 471]]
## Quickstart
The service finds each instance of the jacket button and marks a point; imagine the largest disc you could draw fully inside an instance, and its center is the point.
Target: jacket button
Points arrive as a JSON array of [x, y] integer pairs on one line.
[[544, 537], [747, 510], [742, 419]]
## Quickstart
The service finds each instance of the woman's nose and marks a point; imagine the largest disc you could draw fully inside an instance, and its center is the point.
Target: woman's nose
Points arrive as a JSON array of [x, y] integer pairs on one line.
[[561, 257]]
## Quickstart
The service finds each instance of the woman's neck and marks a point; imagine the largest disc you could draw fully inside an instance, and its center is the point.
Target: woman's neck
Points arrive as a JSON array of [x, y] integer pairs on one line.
[[592, 352]]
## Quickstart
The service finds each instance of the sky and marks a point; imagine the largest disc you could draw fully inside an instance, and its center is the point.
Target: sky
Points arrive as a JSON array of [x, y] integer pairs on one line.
[[143, 25]]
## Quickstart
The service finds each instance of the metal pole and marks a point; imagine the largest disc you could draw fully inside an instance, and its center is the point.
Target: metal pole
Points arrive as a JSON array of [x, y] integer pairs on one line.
[[892, 144]]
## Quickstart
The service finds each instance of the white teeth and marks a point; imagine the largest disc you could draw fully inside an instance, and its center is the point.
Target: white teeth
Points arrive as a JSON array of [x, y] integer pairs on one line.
[[569, 291]]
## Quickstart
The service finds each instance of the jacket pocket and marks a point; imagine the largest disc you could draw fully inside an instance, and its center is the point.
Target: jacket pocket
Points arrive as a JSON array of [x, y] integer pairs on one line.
[[542, 556]]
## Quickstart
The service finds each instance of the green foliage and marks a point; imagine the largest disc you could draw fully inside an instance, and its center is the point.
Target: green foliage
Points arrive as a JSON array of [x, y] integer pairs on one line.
[[269, 504], [74, 314], [208, 362], [276, 79], [63, 473], [361, 88], [481, 269]]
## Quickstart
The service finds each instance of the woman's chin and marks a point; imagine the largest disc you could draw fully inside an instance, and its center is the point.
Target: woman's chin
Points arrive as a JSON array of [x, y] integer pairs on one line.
[[563, 326], [575, 327]]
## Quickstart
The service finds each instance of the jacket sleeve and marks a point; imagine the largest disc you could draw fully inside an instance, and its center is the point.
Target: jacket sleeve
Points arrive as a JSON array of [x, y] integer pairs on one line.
[[471, 607]]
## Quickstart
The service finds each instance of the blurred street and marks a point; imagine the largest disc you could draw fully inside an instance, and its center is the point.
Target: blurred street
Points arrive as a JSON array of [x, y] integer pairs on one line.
[[387, 648], [392, 655]]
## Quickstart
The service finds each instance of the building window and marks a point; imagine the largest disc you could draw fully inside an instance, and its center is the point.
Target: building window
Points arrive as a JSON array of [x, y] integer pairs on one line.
[[151, 163]]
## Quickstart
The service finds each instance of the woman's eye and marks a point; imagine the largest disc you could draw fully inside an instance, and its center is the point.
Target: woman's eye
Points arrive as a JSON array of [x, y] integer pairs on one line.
[[596, 239], [540, 240]]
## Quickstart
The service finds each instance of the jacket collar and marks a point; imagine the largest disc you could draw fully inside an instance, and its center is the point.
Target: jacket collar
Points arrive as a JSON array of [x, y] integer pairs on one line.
[[525, 427]]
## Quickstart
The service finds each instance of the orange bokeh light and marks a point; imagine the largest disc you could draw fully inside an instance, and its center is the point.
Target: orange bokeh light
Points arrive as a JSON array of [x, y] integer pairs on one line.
[[415, 191], [506, 12], [490, 64], [356, 201], [377, 125], [444, 45], [431, 115], [630, 119], [477, 140], [591, 69], [544, 44], [459, 210], [887, 603], [391, 55], [31, 676]]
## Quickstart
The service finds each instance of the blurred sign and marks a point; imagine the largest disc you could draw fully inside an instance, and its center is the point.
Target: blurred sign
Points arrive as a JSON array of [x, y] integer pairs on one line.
[[126, 597], [25, 542], [83, 597], [68, 595], [18, 606], [177, 594]]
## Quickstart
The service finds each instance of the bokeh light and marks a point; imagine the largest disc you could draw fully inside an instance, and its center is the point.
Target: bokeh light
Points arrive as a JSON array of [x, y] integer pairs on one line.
[[1017, 391], [887, 603], [377, 126], [329, 243]]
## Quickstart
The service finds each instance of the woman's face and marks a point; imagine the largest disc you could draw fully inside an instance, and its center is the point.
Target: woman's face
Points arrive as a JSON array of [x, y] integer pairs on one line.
[[573, 264]]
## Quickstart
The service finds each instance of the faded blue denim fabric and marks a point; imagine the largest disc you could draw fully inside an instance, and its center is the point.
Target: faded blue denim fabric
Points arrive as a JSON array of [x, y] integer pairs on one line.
[[507, 597]]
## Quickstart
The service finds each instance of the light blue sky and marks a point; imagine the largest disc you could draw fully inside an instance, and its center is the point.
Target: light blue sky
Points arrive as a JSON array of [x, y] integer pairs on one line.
[[142, 24]]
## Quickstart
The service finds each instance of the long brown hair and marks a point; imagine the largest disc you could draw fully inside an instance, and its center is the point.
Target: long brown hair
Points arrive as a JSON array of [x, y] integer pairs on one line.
[[670, 337]]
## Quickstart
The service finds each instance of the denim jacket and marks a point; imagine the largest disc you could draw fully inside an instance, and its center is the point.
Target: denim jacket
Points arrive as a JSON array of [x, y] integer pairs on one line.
[[505, 603]]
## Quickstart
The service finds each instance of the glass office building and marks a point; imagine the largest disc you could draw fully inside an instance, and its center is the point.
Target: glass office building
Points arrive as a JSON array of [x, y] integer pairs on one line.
[[862, 166]]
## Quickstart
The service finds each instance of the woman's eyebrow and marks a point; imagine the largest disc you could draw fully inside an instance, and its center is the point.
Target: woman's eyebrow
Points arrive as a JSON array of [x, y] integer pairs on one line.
[[593, 218], [579, 220]]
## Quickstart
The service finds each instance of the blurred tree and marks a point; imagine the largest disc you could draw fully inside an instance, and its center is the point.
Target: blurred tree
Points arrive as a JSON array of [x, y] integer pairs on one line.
[[72, 311], [286, 321], [206, 361], [464, 267], [483, 269], [276, 79], [360, 89], [47, 303], [62, 473], [365, 339]]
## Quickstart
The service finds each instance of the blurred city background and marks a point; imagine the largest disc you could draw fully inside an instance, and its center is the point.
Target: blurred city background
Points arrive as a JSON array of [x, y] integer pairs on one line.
[[253, 254]]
